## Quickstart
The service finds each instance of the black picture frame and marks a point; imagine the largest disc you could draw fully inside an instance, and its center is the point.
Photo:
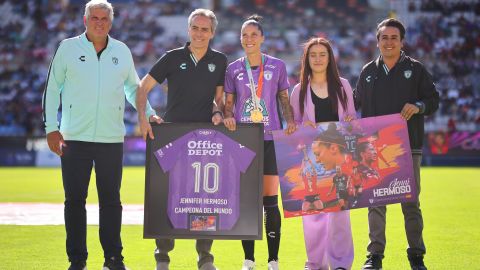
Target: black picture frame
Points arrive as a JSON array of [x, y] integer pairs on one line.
[[249, 224]]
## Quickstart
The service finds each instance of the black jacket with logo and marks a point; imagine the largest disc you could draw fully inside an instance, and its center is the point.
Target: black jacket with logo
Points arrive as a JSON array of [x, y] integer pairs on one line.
[[407, 82]]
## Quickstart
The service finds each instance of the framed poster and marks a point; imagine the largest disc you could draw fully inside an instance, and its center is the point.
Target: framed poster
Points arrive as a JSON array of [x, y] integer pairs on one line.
[[203, 181], [345, 165]]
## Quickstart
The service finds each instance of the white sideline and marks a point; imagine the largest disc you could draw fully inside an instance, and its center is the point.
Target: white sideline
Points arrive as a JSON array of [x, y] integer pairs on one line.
[[52, 214]]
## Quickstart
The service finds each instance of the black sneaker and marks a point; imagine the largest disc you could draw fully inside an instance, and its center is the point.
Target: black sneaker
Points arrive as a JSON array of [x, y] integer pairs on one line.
[[78, 265], [373, 262], [416, 262], [114, 263]]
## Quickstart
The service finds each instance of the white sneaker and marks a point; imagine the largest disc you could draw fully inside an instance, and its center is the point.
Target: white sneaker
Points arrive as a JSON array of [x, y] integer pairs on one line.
[[273, 265], [248, 265], [162, 266]]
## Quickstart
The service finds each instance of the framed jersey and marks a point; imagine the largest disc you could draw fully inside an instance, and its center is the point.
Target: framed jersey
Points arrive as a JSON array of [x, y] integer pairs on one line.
[[203, 181], [345, 165]]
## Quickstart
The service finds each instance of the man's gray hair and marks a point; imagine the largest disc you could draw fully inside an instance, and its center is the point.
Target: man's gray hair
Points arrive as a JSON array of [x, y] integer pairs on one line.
[[103, 4], [204, 12]]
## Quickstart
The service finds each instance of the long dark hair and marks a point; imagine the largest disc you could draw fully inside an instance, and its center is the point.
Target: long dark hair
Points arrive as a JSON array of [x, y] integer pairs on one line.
[[335, 89]]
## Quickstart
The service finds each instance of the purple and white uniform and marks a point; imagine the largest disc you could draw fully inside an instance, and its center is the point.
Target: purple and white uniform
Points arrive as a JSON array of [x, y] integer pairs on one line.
[[275, 79], [204, 168]]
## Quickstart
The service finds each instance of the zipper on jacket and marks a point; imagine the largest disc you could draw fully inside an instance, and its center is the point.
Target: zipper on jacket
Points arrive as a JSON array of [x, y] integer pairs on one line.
[[98, 99], [70, 116]]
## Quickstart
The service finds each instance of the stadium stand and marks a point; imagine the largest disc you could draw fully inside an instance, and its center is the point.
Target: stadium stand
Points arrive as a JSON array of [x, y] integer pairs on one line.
[[442, 34]]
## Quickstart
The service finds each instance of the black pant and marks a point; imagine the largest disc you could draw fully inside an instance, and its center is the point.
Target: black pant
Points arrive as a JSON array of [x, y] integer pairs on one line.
[[77, 161], [413, 221]]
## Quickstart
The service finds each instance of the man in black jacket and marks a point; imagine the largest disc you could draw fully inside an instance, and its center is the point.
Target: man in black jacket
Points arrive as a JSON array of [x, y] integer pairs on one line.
[[396, 83]]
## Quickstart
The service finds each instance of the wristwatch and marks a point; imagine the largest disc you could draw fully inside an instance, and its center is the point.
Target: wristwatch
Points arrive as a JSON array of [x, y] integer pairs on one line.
[[421, 106]]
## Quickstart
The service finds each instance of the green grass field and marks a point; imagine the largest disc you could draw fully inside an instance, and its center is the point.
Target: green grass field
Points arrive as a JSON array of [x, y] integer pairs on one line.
[[450, 203]]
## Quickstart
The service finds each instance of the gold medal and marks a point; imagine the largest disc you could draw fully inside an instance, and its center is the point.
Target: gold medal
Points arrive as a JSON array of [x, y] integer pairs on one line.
[[256, 116]]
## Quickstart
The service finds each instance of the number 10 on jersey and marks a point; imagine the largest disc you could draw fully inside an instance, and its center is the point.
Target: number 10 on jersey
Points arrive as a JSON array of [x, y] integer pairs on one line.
[[197, 166]]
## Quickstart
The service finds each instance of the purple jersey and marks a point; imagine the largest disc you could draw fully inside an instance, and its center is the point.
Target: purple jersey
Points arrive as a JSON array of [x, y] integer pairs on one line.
[[204, 168], [274, 80]]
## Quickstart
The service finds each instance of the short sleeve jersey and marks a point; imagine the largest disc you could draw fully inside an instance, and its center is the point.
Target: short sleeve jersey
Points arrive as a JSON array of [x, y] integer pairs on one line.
[[204, 169], [191, 84], [275, 79]]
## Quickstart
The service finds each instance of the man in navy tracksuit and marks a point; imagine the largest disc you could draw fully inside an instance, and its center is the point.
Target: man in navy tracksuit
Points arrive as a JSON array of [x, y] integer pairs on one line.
[[396, 83]]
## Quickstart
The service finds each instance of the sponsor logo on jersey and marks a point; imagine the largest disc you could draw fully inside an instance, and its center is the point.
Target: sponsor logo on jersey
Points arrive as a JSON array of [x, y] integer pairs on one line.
[[82, 58], [205, 132], [115, 60], [183, 66], [368, 78], [240, 76], [204, 148], [249, 106]]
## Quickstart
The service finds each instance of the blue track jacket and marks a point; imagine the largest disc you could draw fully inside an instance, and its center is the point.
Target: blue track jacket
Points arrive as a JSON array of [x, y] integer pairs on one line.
[[91, 90]]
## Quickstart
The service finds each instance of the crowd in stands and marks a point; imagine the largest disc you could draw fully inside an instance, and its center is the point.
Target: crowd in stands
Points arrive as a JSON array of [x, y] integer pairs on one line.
[[446, 7], [450, 48], [448, 45]]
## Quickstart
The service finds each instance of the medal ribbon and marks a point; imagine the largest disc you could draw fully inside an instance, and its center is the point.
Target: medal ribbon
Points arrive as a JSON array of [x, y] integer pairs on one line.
[[256, 101]]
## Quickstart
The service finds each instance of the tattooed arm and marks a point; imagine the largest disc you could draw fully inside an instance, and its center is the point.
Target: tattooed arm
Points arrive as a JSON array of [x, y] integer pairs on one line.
[[229, 120], [287, 111]]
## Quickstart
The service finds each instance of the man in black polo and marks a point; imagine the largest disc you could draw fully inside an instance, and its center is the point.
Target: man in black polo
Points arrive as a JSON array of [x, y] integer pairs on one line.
[[396, 83], [195, 75]]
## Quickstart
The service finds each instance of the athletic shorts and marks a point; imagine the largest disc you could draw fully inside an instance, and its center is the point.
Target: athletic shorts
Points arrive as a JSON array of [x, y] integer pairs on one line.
[[342, 195], [312, 198], [269, 159]]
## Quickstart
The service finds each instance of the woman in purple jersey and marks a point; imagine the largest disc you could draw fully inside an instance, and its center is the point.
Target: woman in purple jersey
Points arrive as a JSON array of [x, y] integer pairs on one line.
[[253, 85], [322, 96]]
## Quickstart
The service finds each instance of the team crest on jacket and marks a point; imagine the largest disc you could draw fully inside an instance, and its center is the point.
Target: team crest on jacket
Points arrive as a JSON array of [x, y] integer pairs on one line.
[[115, 60], [407, 74], [211, 67], [268, 75]]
